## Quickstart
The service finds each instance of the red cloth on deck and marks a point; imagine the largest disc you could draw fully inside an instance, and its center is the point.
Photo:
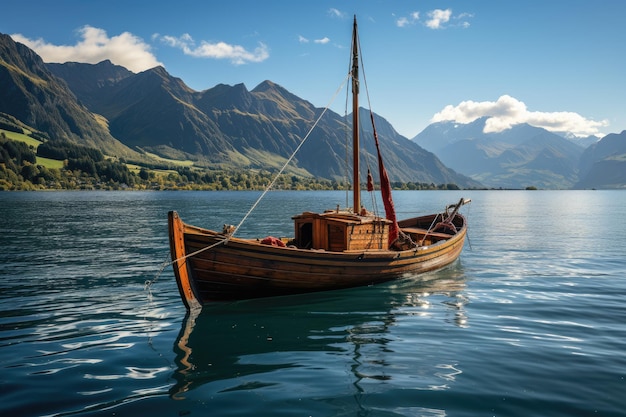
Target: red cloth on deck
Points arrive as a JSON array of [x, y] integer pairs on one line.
[[273, 241]]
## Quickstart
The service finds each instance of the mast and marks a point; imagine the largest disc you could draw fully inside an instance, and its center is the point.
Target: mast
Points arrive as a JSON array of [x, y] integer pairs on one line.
[[356, 185]]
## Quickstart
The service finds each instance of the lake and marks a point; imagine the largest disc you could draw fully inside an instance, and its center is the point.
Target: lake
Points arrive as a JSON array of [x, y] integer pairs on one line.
[[530, 321]]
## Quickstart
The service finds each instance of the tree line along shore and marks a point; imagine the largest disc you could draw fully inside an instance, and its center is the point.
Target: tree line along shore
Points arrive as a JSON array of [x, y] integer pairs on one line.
[[57, 165]]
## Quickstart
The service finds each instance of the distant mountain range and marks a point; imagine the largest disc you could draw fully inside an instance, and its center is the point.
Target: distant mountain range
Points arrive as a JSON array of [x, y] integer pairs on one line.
[[603, 164], [153, 113], [227, 127], [525, 156], [515, 158]]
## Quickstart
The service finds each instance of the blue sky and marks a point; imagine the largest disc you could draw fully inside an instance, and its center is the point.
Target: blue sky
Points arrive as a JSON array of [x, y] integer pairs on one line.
[[556, 64]]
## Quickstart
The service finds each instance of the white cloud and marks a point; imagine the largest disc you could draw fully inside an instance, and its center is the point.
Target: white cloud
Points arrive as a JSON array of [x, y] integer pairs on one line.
[[125, 49], [407, 20], [438, 18], [321, 41], [336, 13], [402, 22], [237, 54], [174, 42], [508, 111]]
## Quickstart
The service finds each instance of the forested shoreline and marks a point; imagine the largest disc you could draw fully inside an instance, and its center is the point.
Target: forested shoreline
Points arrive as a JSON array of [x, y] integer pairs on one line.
[[82, 168]]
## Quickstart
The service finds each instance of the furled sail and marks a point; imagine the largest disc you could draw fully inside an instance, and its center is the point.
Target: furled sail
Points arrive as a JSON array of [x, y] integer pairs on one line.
[[385, 189]]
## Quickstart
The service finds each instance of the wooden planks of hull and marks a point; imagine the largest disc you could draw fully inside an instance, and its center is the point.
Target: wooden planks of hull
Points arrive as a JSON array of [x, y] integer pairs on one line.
[[242, 268]]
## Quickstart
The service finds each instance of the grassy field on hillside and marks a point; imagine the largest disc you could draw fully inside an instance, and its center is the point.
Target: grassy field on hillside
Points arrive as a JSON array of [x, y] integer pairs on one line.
[[21, 137], [46, 162], [186, 163], [49, 163]]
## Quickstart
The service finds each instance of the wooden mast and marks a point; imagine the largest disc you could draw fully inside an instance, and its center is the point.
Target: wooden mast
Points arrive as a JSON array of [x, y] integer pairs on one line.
[[356, 185]]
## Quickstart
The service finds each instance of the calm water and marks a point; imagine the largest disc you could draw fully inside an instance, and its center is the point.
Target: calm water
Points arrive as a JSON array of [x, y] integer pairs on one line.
[[531, 321]]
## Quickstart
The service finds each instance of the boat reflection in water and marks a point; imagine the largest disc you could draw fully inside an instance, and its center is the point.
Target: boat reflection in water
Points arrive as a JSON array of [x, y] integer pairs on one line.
[[329, 342]]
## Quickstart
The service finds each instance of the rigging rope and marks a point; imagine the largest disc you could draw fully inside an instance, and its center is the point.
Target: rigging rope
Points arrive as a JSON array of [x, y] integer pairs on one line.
[[369, 106], [363, 150], [271, 184], [348, 140], [149, 283]]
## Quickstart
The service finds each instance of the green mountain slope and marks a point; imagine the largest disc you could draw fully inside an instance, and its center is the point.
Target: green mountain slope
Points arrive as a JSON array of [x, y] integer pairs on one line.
[[136, 116], [32, 94], [231, 125]]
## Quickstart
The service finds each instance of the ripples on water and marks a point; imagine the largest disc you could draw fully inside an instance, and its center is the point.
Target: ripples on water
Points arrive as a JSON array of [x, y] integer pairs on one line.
[[529, 322]]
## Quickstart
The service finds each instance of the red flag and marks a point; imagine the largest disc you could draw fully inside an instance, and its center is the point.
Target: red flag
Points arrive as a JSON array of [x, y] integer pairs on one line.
[[370, 181]]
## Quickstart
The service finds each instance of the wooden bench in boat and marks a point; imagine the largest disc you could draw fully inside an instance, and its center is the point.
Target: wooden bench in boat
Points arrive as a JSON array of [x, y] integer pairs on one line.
[[421, 232]]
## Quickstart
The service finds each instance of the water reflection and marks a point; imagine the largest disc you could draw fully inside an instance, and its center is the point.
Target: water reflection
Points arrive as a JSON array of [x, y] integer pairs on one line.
[[353, 339]]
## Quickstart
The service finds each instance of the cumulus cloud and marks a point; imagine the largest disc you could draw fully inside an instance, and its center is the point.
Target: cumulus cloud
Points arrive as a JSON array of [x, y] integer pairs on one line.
[[237, 54], [438, 17], [508, 111], [322, 41], [125, 49], [302, 39]]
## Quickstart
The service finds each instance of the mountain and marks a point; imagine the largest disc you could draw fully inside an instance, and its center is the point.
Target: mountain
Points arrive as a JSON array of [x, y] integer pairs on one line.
[[582, 141], [32, 94], [514, 158], [136, 115], [231, 126], [83, 80], [107, 107], [603, 164]]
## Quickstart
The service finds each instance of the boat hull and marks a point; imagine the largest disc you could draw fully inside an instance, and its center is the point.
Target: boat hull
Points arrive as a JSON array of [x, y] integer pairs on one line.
[[235, 268]]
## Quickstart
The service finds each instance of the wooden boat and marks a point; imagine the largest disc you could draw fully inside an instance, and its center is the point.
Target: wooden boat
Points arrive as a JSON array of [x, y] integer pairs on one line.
[[336, 249]]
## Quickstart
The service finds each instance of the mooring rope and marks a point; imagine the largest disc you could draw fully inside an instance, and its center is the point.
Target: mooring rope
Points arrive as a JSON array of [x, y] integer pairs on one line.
[[271, 184], [165, 264], [149, 282]]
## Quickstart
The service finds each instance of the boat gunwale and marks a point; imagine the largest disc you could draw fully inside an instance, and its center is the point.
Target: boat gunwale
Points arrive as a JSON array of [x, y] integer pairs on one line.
[[281, 263], [255, 245]]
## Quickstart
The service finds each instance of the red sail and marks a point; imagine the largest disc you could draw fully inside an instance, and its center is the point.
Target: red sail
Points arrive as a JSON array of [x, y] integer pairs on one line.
[[385, 189]]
